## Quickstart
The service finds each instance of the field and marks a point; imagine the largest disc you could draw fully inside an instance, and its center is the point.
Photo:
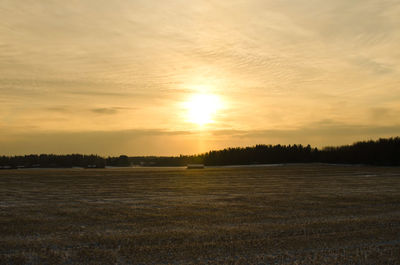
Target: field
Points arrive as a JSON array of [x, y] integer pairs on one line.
[[293, 214]]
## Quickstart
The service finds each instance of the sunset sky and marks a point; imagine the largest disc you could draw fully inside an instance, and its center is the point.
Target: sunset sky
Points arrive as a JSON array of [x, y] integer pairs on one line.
[[146, 77]]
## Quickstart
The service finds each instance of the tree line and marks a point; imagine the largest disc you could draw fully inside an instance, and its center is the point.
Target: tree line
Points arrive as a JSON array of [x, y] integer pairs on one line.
[[380, 152]]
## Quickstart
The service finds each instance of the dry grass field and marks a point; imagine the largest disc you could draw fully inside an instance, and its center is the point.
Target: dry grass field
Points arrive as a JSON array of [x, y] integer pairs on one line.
[[294, 214]]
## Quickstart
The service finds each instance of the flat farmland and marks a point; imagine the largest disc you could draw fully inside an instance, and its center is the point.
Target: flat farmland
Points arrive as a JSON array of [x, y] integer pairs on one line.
[[291, 214]]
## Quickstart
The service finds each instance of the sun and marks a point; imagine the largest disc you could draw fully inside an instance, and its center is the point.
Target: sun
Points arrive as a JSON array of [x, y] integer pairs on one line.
[[202, 108]]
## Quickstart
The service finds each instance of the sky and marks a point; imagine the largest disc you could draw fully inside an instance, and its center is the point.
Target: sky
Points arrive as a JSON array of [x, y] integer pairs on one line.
[[119, 77]]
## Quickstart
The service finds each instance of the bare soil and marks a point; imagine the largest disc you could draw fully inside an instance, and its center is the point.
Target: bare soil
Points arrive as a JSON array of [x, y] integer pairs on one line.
[[292, 214]]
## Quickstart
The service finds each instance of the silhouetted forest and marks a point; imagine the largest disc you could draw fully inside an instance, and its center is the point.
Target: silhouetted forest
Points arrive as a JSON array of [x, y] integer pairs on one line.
[[52, 161], [380, 152]]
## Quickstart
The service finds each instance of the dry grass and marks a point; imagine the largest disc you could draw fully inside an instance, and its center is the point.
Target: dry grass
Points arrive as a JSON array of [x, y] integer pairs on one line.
[[298, 214]]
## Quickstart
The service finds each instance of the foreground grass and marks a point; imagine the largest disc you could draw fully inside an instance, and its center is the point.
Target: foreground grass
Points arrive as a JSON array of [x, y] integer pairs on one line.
[[298, 214]]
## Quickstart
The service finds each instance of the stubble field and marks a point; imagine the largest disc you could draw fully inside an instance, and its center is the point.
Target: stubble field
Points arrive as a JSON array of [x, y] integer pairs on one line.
[[292, 214]]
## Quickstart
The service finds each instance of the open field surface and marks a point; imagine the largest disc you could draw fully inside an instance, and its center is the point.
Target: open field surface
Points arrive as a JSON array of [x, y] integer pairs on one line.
[[295, 214]]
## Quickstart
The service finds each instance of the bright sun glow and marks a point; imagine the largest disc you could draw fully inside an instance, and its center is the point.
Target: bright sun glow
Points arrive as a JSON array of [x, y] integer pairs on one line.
[[201, 108]]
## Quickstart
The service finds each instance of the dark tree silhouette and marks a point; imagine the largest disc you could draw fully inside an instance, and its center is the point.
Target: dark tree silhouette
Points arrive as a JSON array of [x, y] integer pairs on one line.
[[384, 152]]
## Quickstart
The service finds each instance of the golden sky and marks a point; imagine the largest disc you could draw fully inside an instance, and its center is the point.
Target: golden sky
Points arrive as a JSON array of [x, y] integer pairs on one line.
[[121, 77]]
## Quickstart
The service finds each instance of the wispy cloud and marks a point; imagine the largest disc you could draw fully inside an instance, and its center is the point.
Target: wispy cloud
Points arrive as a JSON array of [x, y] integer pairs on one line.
[[104, 111], [110, 110], [61, 109]]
